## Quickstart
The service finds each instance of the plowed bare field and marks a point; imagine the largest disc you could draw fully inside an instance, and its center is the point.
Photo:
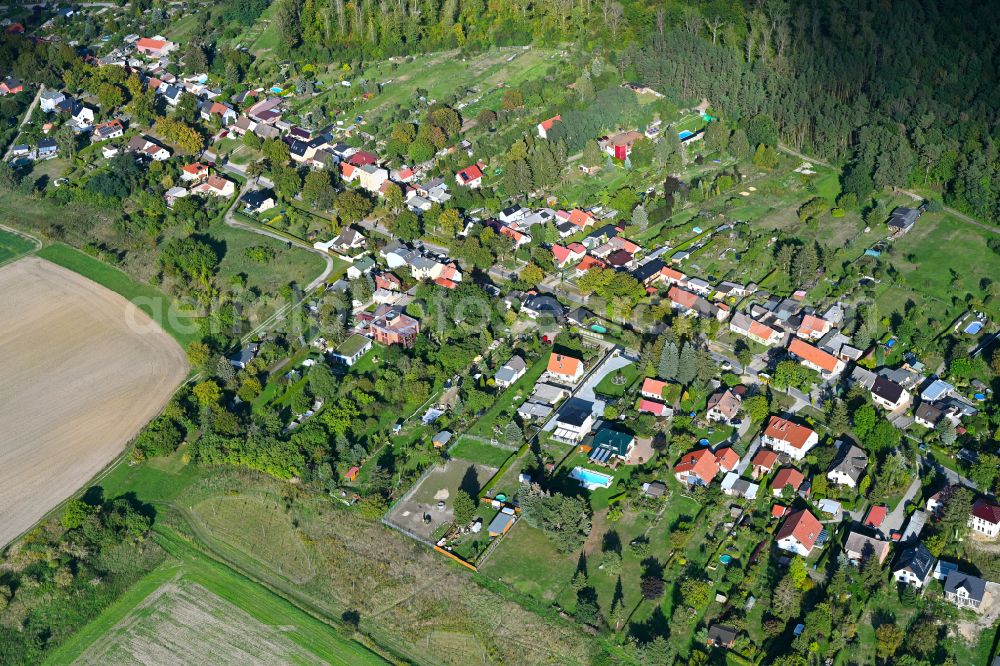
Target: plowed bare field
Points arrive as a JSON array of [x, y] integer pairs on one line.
[[81, 372]]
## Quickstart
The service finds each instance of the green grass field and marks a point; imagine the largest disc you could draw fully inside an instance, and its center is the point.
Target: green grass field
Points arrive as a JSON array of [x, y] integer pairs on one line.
[[290, 264], [180, 325], [608, 386], [13, 246], [480, 452], [235, 609], [272, 541]]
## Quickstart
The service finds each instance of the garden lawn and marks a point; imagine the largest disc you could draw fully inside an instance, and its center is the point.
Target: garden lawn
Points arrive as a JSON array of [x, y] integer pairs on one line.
[[527, 561], [608, 386], [480, 452]]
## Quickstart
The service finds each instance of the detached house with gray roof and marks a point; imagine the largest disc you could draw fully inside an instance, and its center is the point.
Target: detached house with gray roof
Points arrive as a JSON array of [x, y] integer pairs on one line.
[[848, 466], [510, 372], [964, 590]]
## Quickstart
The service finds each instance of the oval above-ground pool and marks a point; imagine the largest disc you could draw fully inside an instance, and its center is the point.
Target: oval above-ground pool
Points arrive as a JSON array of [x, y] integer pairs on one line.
[[974, 327], [725, 559]]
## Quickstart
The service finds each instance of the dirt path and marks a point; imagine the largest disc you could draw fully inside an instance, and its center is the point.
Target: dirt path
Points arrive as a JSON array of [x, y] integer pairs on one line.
[[83, 370]]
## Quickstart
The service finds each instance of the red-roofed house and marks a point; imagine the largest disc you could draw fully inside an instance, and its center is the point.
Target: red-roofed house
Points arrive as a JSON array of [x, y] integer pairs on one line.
[[216, 186], [876, 515], [653, 388], [546, 125], [11, 86], [828, 365], [799, 532], [156, 48], [777, 511], [697, 468], [813, 327], [348, 171], [985, 518], [763, 462], [361, 158], [580, 218], [682, 300], [352, 474], [789, 438], [673, 276], [727, 459], [564, 368], [445, 282], [194, 172], [654, 407], [568, 254], [471, 176], [587, 263], [787, 476]]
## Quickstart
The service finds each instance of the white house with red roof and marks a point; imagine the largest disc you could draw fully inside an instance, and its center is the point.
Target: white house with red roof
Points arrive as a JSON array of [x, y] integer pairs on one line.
[[216, 186], [985, 518], [827, 365], [195, 172], [564, 368], [654, 407], [813, 327], [576, 217], [471, 176], [546, 125], [564, 255], [653, 388], [799, 533], [789, 438], [744, 325], [697, 468], [682, 299], [154, 47]]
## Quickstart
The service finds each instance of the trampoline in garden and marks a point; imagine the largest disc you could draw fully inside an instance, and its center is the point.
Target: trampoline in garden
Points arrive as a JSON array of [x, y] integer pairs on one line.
[[974, 327]]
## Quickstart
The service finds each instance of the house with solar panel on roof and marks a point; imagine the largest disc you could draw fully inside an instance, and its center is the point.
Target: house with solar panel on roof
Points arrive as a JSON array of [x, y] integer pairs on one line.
[[609, 444]]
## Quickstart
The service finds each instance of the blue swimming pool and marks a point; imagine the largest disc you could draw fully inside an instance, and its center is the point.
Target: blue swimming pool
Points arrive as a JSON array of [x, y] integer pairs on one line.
[[974, 327], [590, 479], [683, 134]]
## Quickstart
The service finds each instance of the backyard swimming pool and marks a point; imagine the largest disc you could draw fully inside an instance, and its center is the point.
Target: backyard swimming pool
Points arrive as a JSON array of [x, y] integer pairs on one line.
[[683, 134], [974, 327], [590, 479]]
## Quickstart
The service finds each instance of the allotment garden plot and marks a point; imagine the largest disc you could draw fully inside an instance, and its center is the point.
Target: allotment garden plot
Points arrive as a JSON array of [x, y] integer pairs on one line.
[[429, 507], [83, 371]]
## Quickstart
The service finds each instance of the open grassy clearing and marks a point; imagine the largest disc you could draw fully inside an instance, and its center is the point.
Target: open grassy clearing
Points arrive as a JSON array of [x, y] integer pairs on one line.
[[83, 372], [272, 540], [181, 325], [290, 264], [945, 258]]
